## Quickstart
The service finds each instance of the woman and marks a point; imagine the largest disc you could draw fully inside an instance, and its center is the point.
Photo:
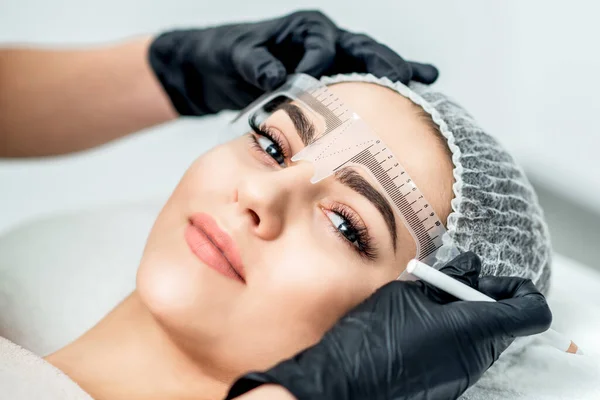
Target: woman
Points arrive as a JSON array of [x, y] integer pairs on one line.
[[294, 276], [297, 256], [292, 269]]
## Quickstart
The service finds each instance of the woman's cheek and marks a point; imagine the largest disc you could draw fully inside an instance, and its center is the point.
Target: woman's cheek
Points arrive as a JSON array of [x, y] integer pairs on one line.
[[314, 280], [214, 172]]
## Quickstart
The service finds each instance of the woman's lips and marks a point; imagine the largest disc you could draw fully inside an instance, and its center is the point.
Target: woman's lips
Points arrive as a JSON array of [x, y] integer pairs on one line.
[[214, 247]]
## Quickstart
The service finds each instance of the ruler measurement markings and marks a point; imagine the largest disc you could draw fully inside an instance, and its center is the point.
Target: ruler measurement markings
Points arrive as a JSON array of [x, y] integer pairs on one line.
[[367, 158], [412, 221]]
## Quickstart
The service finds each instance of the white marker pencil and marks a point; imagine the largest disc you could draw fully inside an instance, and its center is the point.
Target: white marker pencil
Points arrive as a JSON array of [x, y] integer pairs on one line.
[[464, 292]]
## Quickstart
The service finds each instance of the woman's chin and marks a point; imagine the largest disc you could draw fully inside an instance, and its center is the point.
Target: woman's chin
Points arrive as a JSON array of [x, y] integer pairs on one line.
[[187, 297]]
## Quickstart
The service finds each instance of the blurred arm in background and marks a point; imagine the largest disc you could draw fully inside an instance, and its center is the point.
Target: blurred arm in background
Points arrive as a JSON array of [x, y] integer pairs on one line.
[[59, 101], [55, 102]]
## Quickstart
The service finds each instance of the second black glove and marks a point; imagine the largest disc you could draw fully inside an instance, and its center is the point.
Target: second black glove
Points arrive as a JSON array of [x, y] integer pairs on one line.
[[410, 340]]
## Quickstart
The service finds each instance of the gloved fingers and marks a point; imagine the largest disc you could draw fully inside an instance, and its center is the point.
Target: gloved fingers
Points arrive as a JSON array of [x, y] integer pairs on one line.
[[506, 287], [243, 94], [370, 56], [424, 73], [465, 268], [304, 42], [522, 308], [246, 383], [318, 40], [258, 67]]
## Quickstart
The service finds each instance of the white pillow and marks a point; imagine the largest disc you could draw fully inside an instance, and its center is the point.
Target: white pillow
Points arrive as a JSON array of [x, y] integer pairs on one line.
[[60, 275]]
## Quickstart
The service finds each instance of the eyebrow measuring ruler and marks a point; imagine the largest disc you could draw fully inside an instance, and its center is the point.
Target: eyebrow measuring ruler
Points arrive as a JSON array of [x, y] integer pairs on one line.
[[347, 140]]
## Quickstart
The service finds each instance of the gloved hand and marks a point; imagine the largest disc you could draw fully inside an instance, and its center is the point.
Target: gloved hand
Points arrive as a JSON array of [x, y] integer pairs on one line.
[[411, 341], [205, 71]]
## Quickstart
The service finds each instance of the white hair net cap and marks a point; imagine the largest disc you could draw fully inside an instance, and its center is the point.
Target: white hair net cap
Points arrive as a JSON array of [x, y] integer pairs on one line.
[[495, 211]]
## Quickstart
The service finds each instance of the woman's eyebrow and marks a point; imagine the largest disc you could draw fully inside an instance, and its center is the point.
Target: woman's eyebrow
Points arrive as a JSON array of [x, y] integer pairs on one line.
[[304, 127], [349, 177]]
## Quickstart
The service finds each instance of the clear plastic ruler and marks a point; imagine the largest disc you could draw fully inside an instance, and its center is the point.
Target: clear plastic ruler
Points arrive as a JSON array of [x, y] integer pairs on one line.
[[344, 139]]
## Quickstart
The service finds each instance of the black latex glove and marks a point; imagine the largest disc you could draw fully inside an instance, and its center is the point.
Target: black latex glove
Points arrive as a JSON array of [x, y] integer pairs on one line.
[[412, 341], [205, 71]]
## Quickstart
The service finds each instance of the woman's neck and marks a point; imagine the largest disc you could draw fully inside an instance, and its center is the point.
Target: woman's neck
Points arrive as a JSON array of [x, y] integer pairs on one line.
[[128, 355]]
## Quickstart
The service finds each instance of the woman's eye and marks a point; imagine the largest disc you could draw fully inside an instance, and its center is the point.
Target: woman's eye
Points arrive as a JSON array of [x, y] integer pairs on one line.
[[344, 228], [269, 141], [272, 149]]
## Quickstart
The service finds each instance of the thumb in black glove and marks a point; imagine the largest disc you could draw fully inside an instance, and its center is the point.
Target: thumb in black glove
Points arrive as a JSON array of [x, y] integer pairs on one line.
[[205, 71], [410, 340]]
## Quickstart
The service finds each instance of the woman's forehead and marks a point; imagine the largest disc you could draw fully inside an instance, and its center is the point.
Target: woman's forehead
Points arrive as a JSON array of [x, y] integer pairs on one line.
[[399, 123], [394, 119], [390, 115]]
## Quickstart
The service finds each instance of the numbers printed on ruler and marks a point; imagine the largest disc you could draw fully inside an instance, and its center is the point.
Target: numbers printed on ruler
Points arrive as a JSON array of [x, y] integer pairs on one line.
[[401, 191], [345, 139]]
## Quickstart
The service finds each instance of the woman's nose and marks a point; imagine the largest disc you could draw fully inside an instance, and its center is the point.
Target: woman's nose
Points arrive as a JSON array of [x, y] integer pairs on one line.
[[268, 198]]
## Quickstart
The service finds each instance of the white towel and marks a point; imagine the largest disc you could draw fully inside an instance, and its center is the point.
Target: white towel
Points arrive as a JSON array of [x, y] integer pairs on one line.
[[535, 371], [25, 376]]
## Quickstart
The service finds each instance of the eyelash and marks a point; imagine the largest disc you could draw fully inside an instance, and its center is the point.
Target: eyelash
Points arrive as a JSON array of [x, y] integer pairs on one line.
[[363, 246], [272, 135]]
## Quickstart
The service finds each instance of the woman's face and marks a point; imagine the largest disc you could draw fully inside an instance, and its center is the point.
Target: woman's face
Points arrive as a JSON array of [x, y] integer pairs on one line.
[[307, 252]]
